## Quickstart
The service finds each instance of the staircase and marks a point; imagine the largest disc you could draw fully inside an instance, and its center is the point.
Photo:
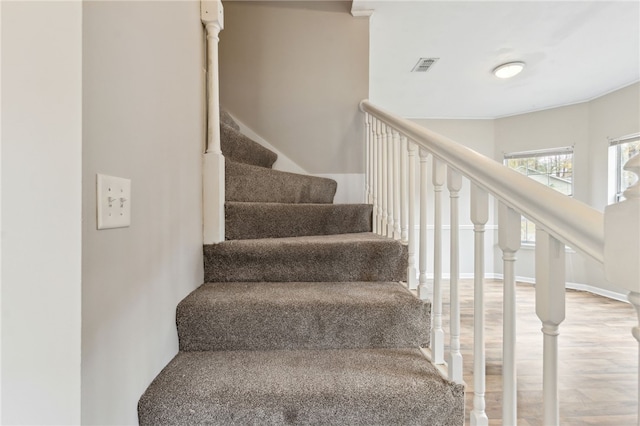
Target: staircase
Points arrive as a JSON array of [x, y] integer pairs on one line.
[[302, 318]]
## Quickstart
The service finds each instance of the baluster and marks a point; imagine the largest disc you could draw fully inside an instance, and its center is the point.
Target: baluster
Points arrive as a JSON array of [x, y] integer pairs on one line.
[[367, 153], [479, 216], [374, 175], [550, 302], [622, 247], [454, 184], [423, 289], [385, 177], [390, 173], [412, 275], [379, 183], [509, 241], [437, 333], [404, 215], [396, 185]]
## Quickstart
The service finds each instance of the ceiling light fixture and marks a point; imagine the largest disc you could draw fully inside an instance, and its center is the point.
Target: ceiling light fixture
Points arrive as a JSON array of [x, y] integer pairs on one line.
[[508, 70]]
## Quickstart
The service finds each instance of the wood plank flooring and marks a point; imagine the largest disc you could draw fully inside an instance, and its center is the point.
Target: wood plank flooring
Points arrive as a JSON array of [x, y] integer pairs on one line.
[[598, 357]]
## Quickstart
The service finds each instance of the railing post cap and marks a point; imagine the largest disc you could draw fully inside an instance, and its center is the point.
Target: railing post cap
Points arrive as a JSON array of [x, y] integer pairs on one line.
[[212, 12]]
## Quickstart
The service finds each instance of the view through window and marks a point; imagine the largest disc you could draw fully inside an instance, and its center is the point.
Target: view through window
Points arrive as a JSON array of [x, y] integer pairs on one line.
[[552, 168], [625, 148]]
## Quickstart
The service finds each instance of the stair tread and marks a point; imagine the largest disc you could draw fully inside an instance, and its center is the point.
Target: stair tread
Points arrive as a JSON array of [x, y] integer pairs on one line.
[[252, 220], [237, 147], [347, 386], [302, 315], [343, 257]]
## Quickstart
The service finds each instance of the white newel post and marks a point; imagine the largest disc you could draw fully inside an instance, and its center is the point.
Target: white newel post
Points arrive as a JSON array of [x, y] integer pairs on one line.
[[412, 275], [622, 247], [423, 288], [509, 241], [479, 216], [454, 184], [437, 333], [550, 308], [212, 16]]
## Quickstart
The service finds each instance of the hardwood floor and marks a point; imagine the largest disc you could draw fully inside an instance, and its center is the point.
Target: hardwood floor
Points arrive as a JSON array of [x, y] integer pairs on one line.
[[598, 357]]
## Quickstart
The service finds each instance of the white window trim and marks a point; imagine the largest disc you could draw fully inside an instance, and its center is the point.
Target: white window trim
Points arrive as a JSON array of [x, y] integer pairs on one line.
[[615, 192]]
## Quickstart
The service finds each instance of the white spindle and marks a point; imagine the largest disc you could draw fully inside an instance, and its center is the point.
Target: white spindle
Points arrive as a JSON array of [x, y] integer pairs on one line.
[[390, 174], [404, 195], [550, 303], [380, 179], [385, 178], [454, 184], [437, 333], [423, 288], [412, 275], [622, 247], [367, 154], [396, 185], [509, 241], [374, 173], [479, 216]]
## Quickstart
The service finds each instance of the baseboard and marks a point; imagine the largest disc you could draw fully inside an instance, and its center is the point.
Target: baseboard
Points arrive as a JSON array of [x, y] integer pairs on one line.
[[621, 297]]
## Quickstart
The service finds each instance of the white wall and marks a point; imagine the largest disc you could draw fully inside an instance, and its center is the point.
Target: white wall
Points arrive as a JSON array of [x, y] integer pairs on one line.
[[295, 72], [41, 212], [143, 120]]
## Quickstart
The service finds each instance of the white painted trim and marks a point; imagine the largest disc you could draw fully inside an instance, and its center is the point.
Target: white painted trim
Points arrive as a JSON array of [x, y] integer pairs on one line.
[[361, 13], [621, 297], [283, 163]]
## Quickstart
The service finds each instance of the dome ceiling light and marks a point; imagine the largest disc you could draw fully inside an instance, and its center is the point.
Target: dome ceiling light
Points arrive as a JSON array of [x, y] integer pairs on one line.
[[508, 70]]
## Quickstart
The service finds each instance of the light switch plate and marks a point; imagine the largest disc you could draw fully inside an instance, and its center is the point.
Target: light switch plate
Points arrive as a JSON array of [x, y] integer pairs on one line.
[[113, 201]]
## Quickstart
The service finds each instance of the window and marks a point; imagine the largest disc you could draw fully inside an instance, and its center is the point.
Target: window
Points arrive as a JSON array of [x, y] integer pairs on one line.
[[623, 149], [551, 167]]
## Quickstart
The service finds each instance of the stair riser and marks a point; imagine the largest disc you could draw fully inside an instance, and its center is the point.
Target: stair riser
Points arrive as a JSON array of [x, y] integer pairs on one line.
[[271, 220], [372, 261], [244, 182], [342, 387], [267, 316]]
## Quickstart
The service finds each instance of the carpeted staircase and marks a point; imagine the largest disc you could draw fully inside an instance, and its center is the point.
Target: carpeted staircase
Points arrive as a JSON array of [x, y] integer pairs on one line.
[[302, 319]]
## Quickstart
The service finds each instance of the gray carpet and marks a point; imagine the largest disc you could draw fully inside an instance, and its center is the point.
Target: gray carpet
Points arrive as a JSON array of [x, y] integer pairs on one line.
[[302, 315], [245, 182], [302, 387], [237, 147], [276, 220], [344, 257], [302, 320]]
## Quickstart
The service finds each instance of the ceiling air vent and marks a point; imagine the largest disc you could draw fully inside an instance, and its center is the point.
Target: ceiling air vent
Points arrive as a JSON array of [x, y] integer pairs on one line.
[[424, 64]]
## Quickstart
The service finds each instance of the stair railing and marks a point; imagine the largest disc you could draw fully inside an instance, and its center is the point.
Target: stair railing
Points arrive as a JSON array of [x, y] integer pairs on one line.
[[612, 239]]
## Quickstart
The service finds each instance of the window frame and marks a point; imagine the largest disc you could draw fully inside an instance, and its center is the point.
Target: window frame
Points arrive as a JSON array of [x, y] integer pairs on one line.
[[616, 146]]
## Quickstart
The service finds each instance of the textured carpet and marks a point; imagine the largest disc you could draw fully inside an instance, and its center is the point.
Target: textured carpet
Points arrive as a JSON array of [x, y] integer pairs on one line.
[[245, 182], [239, 148], [275, 220], [344, 257], [302, 315], [302, 387]]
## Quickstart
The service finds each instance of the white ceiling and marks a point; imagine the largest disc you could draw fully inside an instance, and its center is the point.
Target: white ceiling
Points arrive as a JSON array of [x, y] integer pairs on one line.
[[574, 50]]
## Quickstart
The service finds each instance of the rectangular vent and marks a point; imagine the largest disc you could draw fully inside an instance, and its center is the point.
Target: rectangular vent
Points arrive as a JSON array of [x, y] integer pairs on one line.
[[424, 64]]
